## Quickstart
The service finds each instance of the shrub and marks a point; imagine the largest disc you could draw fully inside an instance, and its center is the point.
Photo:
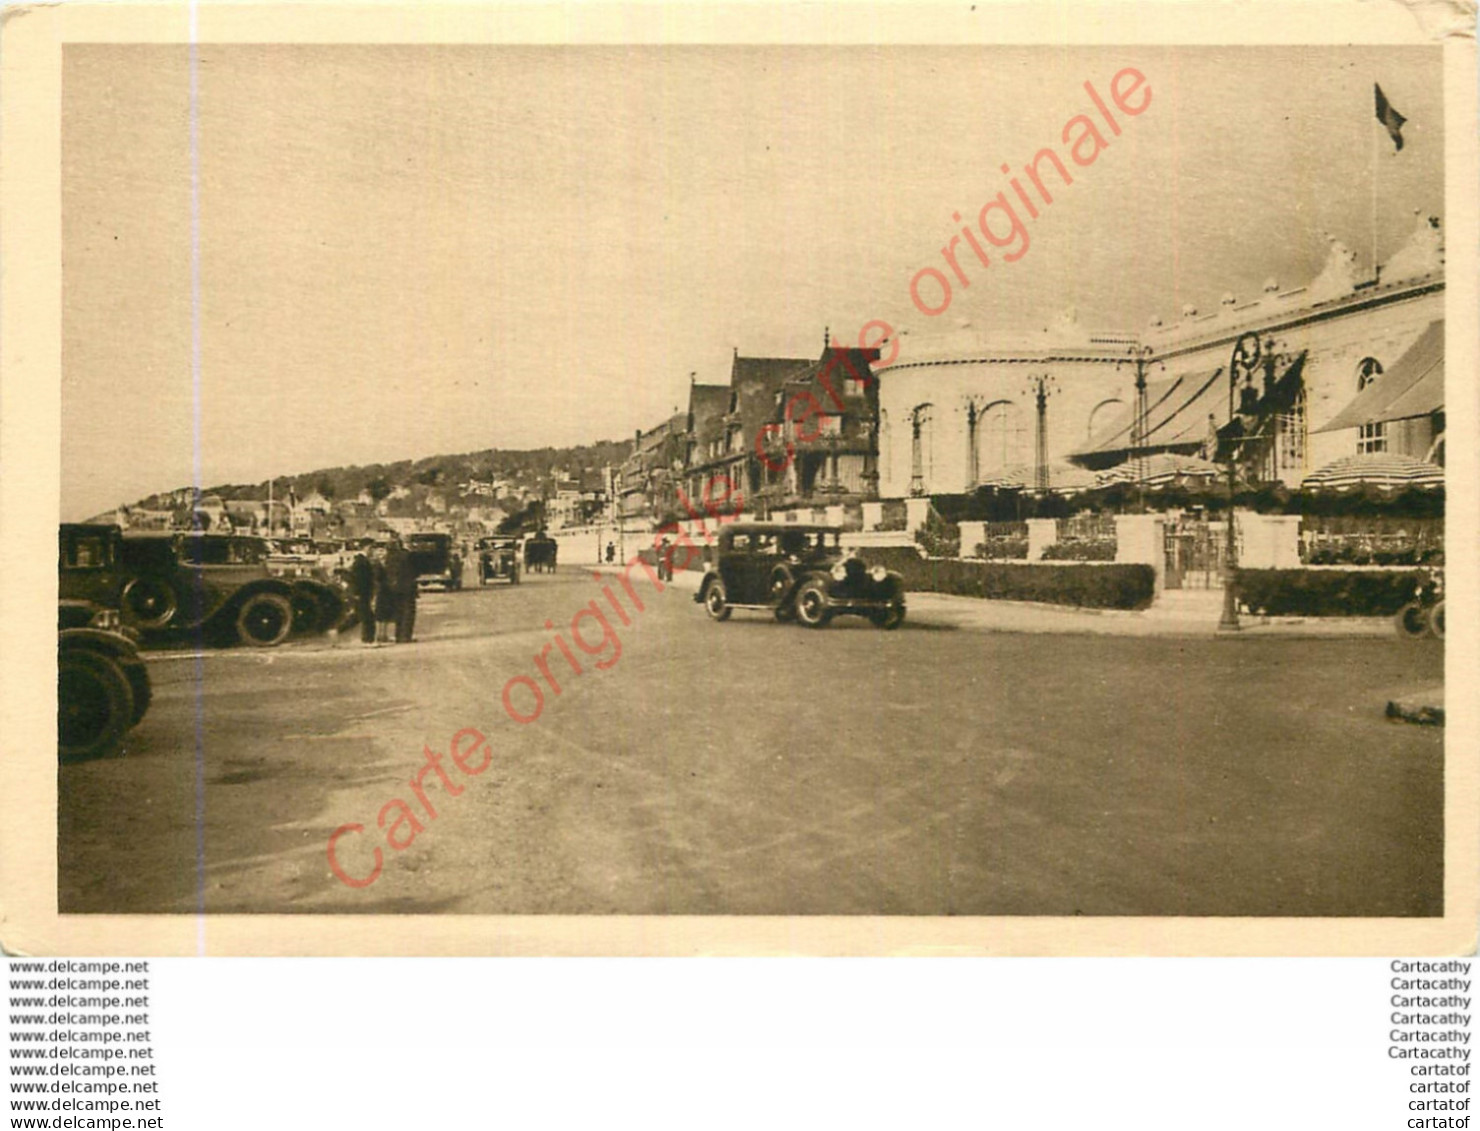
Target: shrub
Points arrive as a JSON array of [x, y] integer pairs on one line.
[[1327, 593], [1003, 549], [1082, 551], [1085, 586]]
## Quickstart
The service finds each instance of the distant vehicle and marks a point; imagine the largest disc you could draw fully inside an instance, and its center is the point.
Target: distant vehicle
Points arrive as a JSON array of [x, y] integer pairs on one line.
[[435, 559], [498, 559], [102, 686], [220, 584], [541, 554], [1424, 615], [799, 573]]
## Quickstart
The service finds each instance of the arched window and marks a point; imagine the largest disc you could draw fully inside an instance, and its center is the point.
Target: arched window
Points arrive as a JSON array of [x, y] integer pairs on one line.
[[1002, 436], [1102, 414], [1292, 434], [1369, 369]]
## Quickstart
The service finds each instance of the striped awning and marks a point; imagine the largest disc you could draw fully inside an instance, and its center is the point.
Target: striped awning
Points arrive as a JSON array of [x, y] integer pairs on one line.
[[1162, 467], [1061, 477], [1378, 469], [1414, 386]]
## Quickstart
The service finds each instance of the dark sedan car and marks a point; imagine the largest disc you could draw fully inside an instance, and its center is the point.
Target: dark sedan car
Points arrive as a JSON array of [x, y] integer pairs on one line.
[[498, 559], [435, 559], [797, 572]]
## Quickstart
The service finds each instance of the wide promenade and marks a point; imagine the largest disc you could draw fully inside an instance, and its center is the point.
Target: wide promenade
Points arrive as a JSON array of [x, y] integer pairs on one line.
[[758, 768]]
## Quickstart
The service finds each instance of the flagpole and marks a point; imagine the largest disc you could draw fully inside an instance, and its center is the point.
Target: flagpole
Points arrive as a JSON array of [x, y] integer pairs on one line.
[[1375, 269]]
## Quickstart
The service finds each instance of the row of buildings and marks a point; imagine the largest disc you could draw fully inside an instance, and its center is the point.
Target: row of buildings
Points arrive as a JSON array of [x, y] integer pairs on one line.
[[786, 433], [1284, 382]]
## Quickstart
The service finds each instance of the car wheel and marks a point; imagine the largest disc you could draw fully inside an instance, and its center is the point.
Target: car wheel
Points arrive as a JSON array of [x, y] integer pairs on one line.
[[1436, 621], [782, 579], [95, 705], [264, 620], [148, 602], [307, 615], [811, 604], [1411, 620], [889, 618], [716, 604], [138, 681]]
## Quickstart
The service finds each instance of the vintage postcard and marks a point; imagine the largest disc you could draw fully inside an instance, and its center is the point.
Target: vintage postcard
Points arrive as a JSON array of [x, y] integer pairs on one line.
[[763, 479]]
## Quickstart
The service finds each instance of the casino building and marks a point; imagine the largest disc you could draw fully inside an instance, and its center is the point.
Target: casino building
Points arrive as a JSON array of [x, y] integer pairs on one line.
[[1346, 365]]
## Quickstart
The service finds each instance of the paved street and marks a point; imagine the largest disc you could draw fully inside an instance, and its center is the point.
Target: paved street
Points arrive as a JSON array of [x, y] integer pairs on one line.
[[755, 768]]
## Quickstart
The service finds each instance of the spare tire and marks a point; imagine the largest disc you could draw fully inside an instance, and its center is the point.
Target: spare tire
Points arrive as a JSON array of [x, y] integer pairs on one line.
[[264, 620], [149, 602]]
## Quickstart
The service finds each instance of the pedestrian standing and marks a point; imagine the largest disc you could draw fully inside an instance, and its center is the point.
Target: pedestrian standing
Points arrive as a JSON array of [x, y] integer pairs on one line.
[[401, 575], [362, 584], [611, 552], [385, 596]]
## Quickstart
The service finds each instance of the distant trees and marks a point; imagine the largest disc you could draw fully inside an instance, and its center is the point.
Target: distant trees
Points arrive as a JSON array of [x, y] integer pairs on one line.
[[379, 488]]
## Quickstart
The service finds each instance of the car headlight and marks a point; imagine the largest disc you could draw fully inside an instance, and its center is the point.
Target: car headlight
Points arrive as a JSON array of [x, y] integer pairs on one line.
[[839, 571], [878, 573], [106, 619]]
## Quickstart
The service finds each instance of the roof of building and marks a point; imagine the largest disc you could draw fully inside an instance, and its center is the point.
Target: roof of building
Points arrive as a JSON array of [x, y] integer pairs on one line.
[[756, 381], [708, 405], [1414, 386]]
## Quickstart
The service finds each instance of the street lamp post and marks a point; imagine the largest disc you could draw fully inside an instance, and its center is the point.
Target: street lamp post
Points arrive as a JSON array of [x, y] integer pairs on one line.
[[1247, 355], [1041, 386], [1140, 425], [919, 417]]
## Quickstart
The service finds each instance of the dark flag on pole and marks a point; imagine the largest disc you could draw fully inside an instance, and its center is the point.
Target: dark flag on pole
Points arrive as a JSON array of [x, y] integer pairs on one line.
[[1391, 120]]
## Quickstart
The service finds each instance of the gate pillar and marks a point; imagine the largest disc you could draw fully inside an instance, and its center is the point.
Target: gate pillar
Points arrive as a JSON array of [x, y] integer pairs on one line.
[[1140, 538]]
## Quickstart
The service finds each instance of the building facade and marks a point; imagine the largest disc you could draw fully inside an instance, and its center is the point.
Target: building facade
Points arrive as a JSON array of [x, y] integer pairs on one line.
[[1346, 365]]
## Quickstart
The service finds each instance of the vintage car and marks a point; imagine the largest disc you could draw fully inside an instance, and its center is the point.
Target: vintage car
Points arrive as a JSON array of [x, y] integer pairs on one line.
[[218, 584], [436, 560], [796, 572], [102, 686], [1424, 615], [541, 553], [498, 558]]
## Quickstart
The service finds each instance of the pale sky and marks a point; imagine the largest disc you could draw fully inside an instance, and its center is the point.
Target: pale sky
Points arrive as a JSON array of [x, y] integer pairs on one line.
[[409, 251]]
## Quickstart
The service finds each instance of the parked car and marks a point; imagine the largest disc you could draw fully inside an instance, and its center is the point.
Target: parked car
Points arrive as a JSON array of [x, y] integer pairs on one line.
[[327, 602], [102, 686], [436, 560], [220, 584], [498, 559], [1424, 615], [88, 565], [797, 572]]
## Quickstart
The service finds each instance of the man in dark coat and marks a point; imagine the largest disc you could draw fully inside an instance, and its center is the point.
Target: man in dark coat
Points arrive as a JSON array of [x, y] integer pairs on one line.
[[362, 583], [400, 572]]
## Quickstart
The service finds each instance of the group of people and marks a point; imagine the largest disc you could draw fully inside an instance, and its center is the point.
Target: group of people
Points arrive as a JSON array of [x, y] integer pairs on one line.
[[383, 578]]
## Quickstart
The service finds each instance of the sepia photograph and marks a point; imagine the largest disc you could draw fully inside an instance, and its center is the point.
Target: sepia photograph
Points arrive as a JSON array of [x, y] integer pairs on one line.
[[850, 480]]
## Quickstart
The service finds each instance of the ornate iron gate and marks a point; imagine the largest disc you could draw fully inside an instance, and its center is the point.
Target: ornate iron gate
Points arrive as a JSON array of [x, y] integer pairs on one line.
[[1194, 553]]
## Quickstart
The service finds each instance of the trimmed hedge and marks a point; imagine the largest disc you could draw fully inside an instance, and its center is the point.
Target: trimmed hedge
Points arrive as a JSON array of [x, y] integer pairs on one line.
[[1327, 593], [1083, 586]]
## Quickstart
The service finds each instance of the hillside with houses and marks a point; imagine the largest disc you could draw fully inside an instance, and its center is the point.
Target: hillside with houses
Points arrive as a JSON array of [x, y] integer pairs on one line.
[[468, 492]]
